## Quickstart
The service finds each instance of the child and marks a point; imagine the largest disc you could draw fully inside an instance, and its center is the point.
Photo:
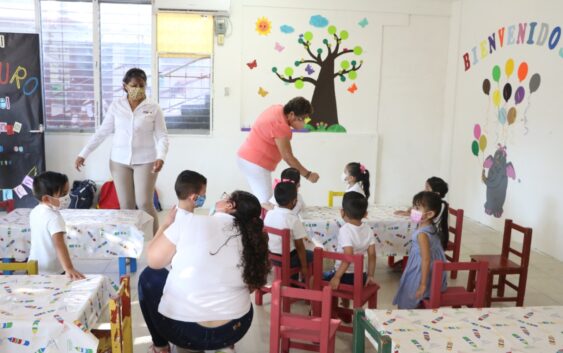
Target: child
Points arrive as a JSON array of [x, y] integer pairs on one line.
[[356, 178], [282, 217], [426, 248], [48, 228], [440, 187], [190, 188], [354, 237], [291, 174]]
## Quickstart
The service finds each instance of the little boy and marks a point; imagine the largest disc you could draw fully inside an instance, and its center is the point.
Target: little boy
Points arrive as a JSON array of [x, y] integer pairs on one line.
[[48, 228], [190, 188]]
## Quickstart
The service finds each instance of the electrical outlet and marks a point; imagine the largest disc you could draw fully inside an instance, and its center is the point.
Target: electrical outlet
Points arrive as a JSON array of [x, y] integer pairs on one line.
[[220, 25]]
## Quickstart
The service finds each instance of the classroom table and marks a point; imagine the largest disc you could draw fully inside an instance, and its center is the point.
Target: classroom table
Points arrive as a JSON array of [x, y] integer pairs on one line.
[[91, 234], [50, 313], [392, 233], [510, 329]]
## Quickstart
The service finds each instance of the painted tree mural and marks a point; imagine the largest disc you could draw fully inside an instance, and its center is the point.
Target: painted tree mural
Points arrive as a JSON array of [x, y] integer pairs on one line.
[[324, 61]]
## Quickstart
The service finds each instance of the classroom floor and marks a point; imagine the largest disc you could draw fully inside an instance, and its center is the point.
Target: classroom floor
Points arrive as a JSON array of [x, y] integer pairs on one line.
[[545, 287]]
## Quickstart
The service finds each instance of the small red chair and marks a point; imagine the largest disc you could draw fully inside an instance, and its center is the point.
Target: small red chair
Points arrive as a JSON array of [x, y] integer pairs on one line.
[[501, 266], [457, 296], [357, 293], [294, 329], [282, 272], [455, 245]]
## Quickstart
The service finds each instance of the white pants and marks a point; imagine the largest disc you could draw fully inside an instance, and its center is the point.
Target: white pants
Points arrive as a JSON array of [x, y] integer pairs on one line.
[[259, 179]]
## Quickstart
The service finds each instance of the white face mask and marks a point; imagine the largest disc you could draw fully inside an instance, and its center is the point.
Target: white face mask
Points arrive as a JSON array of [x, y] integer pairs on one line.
[[64, 202]]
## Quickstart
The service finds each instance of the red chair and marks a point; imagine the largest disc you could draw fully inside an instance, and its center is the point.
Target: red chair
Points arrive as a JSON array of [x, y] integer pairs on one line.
[[358, 293], [457, 296], [502, 266], [284, 271], [7, 205], [455, 245], [295, 329]]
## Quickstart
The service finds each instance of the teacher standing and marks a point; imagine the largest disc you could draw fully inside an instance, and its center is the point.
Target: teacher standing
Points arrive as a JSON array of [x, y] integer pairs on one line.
[[139, 145], [269, 142]]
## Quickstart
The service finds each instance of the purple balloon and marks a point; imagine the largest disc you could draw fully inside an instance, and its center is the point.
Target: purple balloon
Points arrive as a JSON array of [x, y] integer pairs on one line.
[[519, 95]]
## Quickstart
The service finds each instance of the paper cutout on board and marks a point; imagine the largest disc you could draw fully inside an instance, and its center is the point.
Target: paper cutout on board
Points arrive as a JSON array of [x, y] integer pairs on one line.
[[287, 29], [262, 92], [9, 129], [352, 89], [318, 21], [5, 103], [363, 23], [7, 194], [17, 127], [309, 69], [263, 26], [497, 180], [1, 148], [20, 191], [252, 65], [28, 181], [18, 148], [3, 127], [322, 53], [279, 47]]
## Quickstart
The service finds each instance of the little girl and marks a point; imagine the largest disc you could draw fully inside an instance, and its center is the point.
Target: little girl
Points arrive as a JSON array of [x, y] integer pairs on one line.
[[291, 175], [356, 178], [426, 248]]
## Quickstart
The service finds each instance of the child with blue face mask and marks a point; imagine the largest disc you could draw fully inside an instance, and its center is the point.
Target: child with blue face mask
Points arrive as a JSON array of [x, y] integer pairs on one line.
[[190, 189], [48, 228]]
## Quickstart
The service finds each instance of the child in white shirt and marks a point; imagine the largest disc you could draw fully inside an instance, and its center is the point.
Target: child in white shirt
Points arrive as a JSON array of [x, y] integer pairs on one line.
[[48, 228], [291, 174], [191, 189], [356, 178]]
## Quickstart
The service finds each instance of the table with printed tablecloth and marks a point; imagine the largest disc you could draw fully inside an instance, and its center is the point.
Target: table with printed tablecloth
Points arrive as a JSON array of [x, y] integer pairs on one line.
[[90, 234], [50, 313], [392, 233], [491, 330]]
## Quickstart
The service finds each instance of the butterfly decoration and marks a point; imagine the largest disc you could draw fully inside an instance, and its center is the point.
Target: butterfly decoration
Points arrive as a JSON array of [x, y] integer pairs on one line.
[[262, 92], [252, 65], [309, 69], [279, 47], [363, 23], [352, 89]]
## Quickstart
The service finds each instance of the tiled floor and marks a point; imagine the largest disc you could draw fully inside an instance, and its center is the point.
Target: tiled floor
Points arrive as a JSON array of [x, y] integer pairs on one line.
[[545, 287]]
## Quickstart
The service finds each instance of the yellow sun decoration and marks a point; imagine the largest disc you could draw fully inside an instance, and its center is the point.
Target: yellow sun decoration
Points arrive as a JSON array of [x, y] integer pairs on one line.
[[263, 26]]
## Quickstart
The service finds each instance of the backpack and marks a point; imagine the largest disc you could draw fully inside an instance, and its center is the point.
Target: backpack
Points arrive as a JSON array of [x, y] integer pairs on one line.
[[108, 197], [82, 194]]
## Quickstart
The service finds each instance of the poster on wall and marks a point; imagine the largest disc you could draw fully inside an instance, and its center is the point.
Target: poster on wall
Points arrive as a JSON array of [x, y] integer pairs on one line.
[[323, 57], [22, 152]]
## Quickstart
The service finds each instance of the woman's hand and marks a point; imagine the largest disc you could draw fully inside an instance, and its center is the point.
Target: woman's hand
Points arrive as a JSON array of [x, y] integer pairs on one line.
[[79, 163], [313, 178], [157, 166], [170, 217], [420, 292]]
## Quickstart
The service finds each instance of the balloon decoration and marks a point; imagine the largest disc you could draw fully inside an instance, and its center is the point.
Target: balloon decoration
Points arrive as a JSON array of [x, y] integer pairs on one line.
[[519, 95], [507, 92], [475, 148], [486, 86], [480, 142], [509, 67], [511, 116], [477, 131], [522, 71], [502, 116], [496, 98], [535, 82], [496, 73]]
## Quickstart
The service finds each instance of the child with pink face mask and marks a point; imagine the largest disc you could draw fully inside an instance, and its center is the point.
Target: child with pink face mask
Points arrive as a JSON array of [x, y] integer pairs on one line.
[[425, 249]]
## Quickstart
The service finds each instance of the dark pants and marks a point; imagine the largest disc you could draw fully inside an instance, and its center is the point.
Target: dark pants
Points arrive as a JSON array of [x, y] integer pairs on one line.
[[347, 278], [295, 262], [189, 335]]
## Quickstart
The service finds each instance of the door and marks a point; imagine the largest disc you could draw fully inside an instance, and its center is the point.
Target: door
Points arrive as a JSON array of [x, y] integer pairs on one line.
[[22, 145]]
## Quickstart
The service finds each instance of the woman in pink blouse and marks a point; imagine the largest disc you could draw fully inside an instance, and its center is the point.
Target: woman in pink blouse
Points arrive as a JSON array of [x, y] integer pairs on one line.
[[269, 142]]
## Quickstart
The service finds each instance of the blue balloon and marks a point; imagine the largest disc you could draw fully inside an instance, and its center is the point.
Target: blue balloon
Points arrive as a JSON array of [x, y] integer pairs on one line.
[[502, 116]]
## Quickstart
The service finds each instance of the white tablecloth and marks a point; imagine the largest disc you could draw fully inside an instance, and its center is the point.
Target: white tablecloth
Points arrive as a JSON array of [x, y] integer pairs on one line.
[[392, 233], [90, 233], [51, 314], [490, 330]]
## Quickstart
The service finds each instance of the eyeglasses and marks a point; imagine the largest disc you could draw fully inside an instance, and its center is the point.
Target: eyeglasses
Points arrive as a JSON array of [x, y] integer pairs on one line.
[[225, 197], [301, 118]]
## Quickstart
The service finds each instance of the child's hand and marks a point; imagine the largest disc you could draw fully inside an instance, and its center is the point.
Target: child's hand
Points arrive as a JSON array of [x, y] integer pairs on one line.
[[420, 292], [401, 213], [74, 275], [370, 280], [334, 283]]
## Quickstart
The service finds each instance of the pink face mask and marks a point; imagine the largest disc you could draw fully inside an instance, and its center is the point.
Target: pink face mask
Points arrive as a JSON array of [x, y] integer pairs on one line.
[[416, 215]]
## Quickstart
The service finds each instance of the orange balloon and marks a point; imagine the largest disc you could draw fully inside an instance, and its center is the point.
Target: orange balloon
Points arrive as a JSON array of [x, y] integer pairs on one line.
[[522, 71]]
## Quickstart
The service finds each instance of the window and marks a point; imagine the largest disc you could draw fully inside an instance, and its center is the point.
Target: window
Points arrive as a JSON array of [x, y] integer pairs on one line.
[[68, 69], [184, 70], [17, 16], [125, 43]]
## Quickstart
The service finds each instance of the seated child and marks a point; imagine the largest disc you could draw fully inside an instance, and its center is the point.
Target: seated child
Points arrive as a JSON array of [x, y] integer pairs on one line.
[[48, 228], [426, 248], [282, 217], [190, 188], [354, 238], [356, 178], [291, 174]]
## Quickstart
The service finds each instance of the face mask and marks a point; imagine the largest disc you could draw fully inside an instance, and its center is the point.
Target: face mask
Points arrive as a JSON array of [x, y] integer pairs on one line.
[[416, 215], [199, 201], [64, 202], [136, 93]]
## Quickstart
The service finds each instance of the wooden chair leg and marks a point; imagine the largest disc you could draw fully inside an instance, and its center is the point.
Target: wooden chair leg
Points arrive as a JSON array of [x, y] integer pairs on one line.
[[501, 285], [471, 281], [285, 345], [372, 302], [521, 289], [489, 295], [258, 296]]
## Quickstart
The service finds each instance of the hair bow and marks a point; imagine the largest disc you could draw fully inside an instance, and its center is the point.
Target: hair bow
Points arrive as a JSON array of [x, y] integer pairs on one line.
[[277, 181], [362, 168]]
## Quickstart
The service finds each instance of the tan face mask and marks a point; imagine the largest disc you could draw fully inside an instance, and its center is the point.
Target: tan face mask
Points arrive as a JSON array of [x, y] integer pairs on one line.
[[136, 93]]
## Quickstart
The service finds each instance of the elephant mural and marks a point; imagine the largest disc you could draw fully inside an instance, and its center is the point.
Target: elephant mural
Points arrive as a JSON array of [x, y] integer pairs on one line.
[[497, 181]]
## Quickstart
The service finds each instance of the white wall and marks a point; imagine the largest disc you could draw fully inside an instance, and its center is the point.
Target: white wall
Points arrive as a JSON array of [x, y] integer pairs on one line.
[[534, 199], [407, 110]]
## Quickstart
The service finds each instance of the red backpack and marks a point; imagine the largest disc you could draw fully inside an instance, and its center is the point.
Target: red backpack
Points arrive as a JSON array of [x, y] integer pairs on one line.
[[108, 197]]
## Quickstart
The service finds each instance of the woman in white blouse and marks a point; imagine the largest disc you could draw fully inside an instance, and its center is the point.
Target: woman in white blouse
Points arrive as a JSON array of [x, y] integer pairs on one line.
[[139, 145]]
